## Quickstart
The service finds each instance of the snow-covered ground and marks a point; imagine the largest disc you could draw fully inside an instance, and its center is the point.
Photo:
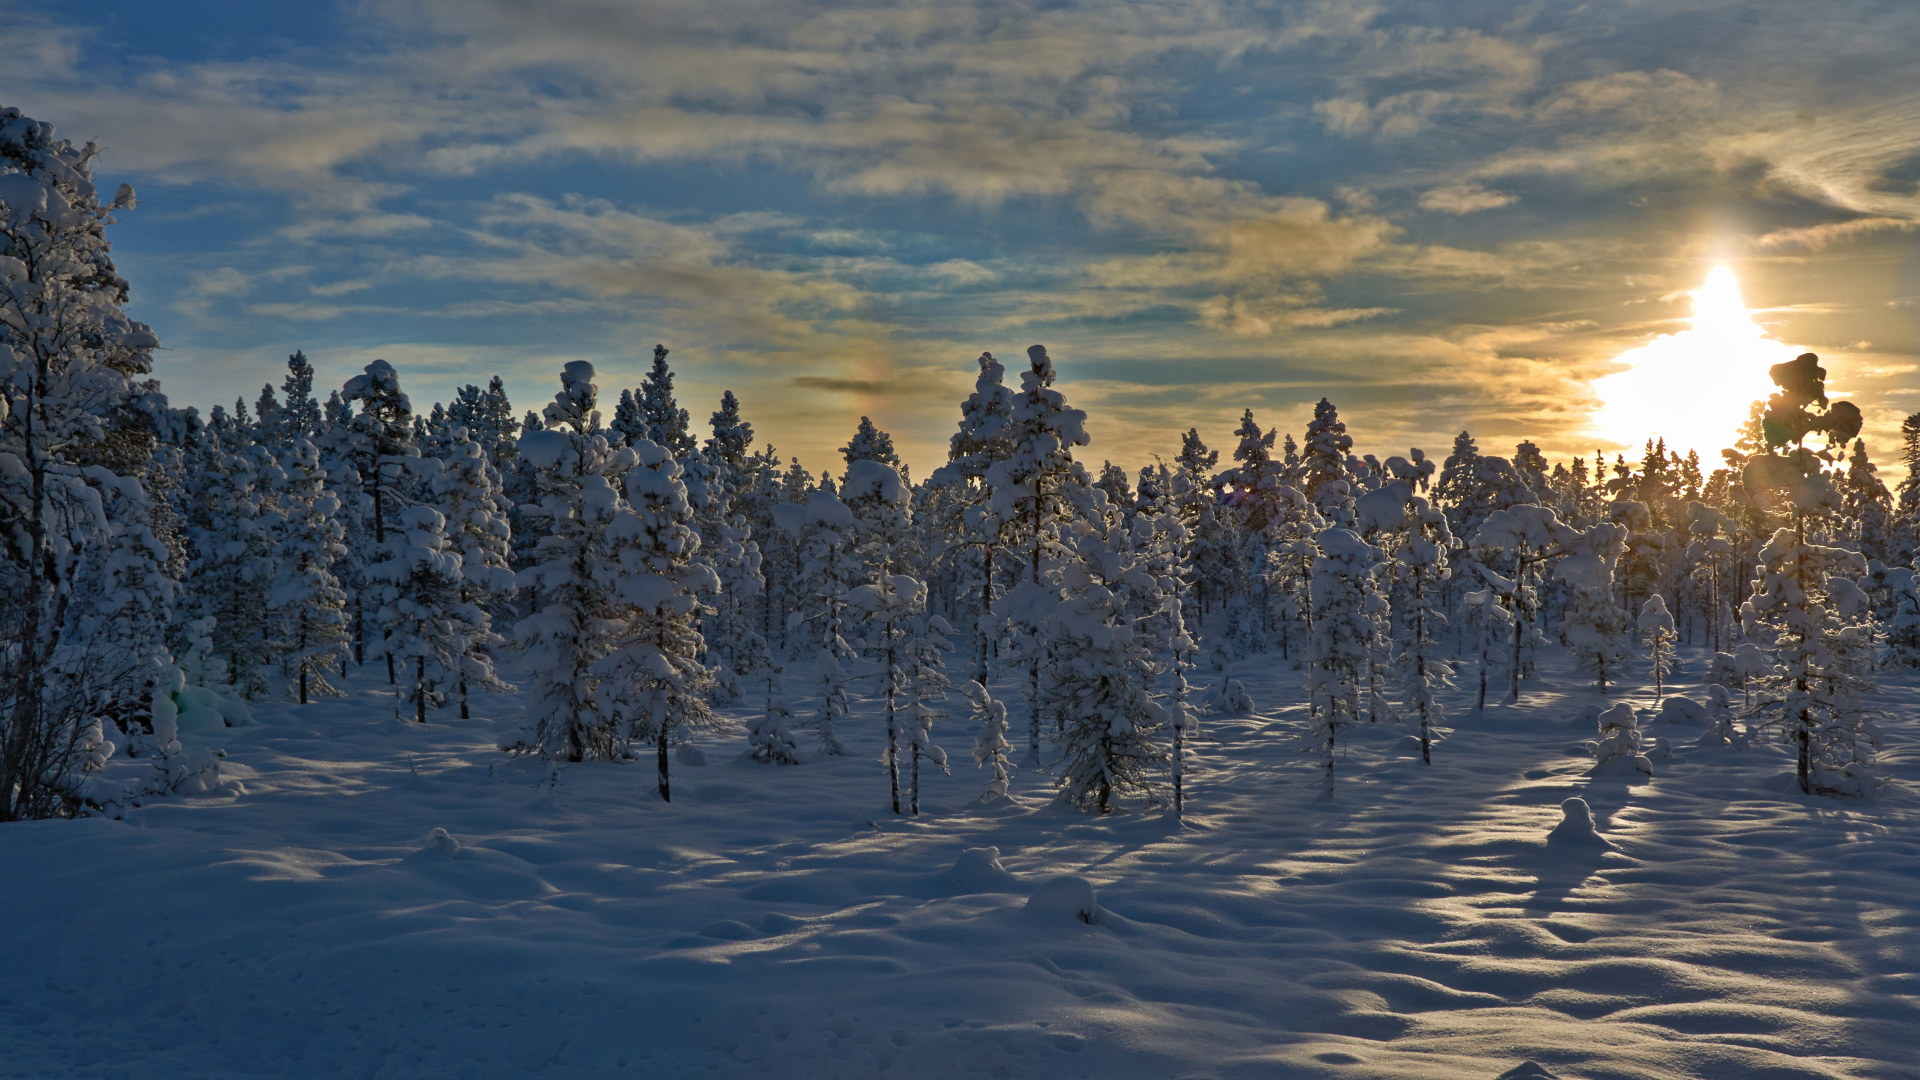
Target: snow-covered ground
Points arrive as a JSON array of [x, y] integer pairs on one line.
[[782, 922]]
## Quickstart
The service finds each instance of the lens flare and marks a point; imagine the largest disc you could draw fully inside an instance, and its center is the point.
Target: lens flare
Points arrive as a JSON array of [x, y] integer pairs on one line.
[[1692, 388]]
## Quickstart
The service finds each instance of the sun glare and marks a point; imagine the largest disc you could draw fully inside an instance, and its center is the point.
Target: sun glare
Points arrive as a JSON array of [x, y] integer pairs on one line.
[[1692, 388]]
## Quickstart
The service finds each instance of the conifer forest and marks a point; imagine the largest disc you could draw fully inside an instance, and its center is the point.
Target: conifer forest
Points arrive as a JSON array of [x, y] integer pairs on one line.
[[347, 733]]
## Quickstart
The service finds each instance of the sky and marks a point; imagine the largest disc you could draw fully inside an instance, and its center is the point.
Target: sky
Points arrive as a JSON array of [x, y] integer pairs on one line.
[[1440, 216]]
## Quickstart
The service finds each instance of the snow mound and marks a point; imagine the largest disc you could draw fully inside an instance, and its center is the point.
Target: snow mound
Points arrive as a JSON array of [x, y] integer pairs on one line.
[[689, 754], [1066, 894], [978, 870], [440, 844], [1575, 830], [1683, 710]]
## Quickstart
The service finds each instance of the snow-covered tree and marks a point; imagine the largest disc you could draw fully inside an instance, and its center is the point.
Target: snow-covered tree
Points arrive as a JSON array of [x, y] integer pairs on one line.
[[571, 628], [1805, 600], [306, 602], [666, 422], [1344, 584], [1596, 628], [991, 750], [427, 622], [1100, 674], [1032, 504], [769, 735], [1418, 541], [380, 445], [488, 417], [231, 570], [889, 606], [467, 492], [660, 591], [1658, 635]]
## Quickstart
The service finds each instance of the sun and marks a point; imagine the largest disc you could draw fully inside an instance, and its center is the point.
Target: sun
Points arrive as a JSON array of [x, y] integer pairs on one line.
[[1692, 388]]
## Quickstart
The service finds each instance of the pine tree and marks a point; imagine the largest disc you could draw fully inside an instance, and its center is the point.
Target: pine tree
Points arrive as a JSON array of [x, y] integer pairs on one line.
[[488, 417], [1418, 541], [1032, 503], [1343, 585], [1865, 502], [467, 492], [68, 355], [1101, 671], [660, 589], [1658, 635], [1323, 460], [1595, 627], [381, 448], [1804, 599], [982, 441], [307, 604], [666, 422], [427, 622], [571, 628], [232, 569], [769, 736], [728, 445], [298, 416], [991, 750]]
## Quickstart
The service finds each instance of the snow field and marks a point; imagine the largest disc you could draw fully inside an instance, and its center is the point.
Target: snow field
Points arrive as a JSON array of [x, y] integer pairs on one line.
[[781, 922]]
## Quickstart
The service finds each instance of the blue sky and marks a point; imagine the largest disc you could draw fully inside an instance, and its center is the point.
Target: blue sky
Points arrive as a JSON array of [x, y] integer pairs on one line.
[[1442, 216]]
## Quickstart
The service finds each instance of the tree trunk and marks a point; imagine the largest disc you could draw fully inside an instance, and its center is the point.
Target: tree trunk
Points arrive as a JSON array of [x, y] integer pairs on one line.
[[666, 795]]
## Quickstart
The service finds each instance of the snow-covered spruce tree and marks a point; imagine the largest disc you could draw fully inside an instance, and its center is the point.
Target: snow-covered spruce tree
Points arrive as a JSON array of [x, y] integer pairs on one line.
[[1100, 672], [1658, 635], [573, 622], [1866, 504], [467, 492], [923, 697], [882, 513], [1904, 530], [231, 570], [1323, 462], [628, 422], [1343, 585], [666, 422], [1255, 497], [1032, 503], [1595, 628], [297, 416], [118, 618], [769, 735], [1513, 544], [1485, 620], [488, 417], [889, 606], [306, 603], [831, 569], [911, 648], [983, 439], [1805, 601], [1416, 572], [427, 623], [660, 590], [830, 686], [991, 750], [381, 448]]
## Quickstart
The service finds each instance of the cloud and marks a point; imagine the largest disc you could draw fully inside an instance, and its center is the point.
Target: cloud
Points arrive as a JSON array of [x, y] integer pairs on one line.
[[1465, 198], [846, 203]]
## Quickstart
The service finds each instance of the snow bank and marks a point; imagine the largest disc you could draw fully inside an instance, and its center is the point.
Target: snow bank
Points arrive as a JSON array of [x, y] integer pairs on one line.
[[1066, 895]]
